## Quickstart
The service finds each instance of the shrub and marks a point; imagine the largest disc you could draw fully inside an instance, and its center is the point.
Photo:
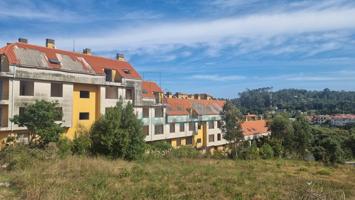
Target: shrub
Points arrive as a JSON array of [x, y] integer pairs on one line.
[[160, 146], [248, 152], [266, 151], [184, 152], [64, 147], [118, 134], [81, 144]]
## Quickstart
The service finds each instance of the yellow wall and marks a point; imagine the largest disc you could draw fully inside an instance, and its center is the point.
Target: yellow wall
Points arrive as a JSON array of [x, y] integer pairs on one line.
[[201, 134], [90, 105]]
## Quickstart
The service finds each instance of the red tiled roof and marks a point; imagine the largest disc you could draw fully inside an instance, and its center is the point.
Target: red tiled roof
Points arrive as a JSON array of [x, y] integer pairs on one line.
[[90, 64], [254, 127], [149, 88], [177, 106]]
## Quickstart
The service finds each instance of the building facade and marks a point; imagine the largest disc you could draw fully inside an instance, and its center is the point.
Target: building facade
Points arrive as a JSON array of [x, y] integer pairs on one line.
[[85, 86]]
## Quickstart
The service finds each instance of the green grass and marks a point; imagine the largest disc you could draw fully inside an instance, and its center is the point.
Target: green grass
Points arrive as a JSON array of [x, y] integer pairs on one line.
[[99, 178]]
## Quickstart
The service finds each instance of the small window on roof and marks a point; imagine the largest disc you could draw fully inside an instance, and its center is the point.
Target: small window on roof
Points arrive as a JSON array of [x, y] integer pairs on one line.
[[145, 91], [127, 71], [54, 61]]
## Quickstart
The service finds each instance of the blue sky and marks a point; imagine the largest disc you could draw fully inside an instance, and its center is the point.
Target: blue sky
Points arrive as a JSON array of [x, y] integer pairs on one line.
[[220, 47]]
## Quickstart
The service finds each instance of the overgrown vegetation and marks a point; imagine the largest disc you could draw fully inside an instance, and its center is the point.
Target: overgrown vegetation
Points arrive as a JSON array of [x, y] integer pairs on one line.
[[40, 120], [118, 134], [41, 174]]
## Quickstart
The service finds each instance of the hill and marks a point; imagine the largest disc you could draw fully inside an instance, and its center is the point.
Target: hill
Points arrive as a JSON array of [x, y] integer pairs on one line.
[[98, 178]]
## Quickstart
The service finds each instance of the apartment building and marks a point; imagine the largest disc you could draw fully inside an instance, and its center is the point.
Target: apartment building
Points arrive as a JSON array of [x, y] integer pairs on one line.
[[85, 86]]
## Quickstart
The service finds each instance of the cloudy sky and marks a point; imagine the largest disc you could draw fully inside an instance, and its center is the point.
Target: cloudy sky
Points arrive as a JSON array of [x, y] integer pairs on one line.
[[221, 47]]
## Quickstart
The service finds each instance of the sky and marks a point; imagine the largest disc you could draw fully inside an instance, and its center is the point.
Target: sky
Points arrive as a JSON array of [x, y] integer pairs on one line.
[[220, 47]]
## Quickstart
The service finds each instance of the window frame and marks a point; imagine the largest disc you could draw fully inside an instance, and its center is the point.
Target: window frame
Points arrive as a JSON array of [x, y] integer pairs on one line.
[[146, 115], [84, 113], [172, 126], [182, 127], [211, 138], [83, 95], [60, 87]]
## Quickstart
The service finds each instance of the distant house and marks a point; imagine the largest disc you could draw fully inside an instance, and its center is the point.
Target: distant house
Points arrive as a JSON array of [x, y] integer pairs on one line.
[[342, 119], [255, 129]]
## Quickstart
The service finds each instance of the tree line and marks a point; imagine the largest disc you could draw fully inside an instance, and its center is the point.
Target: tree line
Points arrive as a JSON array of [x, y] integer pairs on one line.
[[263, 100]]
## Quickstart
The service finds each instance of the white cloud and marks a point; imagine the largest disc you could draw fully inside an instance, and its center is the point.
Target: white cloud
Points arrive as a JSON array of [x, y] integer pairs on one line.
[[221, 30], [218, 77]]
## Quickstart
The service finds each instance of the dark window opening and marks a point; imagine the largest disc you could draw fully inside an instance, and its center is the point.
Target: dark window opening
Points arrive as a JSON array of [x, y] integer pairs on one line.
[[158, 129], [56, 90], [146, 130], [84, 94], [26, 88], [54, 61], [219, 137], [192, 126], [211, 138], [189, 141], [127, 71], [159, 112], [129, 94], [178, 142], [84, 116], [108, 74], [145, 112], [172, 128], [211, 125], [111, 92], [198, 140], [182, 127]]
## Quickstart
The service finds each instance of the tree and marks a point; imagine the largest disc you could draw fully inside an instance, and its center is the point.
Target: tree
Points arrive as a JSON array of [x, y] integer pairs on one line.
[[282, 131], [231, 128], [118, 133], [40, 120], [302, 136]]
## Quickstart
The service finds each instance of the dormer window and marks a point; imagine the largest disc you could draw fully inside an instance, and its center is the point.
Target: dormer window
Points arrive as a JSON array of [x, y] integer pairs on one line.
[[127, 71], [108, 74], [54, 61], [144, 91]]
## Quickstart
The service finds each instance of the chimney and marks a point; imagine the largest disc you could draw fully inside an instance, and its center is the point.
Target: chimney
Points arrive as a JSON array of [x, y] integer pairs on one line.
[[87, 51], [50, 43], [120, 57], [23, 40]]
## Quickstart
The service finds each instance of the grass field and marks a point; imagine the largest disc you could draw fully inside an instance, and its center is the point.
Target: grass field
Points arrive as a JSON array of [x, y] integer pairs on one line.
[[99, 178]]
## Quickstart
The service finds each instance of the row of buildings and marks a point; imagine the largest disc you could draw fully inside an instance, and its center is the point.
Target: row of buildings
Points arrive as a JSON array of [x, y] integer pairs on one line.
[[333, 120], [85, 86]]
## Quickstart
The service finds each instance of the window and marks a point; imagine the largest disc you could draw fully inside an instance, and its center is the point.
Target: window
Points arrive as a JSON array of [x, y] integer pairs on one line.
[[108, 75], [158, 129], [182, 127], [192, 126], [189, 141], [178, 142], [26, 88], [129, 93], [111, 92], [146, 130], [56, 90], [145, 112], [159, 112], [60, 114], [211, 138], [172, 128], [84, 94], [211, 124], [198, 140], [219, 137], [83, 116], [219, 124]]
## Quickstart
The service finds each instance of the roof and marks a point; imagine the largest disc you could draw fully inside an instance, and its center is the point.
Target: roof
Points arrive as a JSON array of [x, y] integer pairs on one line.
[[149, 88], [29, 55], [254, 127], [343, 116], [177, 106]]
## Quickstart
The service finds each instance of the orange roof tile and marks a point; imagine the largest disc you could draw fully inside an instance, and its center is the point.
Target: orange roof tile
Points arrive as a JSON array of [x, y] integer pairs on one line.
[[177, 106], [149, 88], [254, 127], [90, 64]]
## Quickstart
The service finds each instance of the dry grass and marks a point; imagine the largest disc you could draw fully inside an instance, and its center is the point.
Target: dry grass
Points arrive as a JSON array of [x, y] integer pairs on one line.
[[99, 178]]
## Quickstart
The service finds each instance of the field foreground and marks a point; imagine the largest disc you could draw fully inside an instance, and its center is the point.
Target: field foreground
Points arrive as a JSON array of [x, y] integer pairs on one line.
[[99, 178]]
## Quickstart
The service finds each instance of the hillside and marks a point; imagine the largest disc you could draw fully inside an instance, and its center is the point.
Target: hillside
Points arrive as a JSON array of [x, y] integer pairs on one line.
[[98, 178]]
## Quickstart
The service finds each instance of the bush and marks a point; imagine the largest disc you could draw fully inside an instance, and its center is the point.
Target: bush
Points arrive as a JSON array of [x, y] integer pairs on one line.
[[81, 144], [118, 134], [248, 152], [266, 151], [160, 146], [184, 152], [64, 147]]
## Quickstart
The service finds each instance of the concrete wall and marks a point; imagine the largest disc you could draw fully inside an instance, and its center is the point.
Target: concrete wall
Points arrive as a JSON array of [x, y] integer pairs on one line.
[[42, 91]]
